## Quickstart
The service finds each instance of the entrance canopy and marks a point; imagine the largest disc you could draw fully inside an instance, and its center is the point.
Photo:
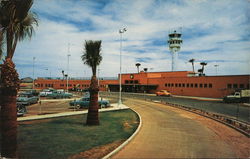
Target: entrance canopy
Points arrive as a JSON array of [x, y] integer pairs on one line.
[[135, 88]]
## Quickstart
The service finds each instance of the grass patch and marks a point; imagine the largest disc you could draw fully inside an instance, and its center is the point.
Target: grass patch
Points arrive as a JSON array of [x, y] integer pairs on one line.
[[66, 136]]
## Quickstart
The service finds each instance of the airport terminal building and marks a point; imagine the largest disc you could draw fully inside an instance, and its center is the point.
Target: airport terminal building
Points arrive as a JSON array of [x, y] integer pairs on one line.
[[183, 83]]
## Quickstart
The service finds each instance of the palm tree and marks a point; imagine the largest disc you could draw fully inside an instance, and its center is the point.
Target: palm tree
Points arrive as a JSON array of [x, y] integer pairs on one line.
[[63, 74], [203, 64], [92, 57], [17, 24], [192, 61], [1, 43], [138, 65]]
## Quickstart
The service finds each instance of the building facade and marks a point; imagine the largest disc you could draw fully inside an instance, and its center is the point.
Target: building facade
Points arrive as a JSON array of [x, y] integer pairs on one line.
[[183, 83]]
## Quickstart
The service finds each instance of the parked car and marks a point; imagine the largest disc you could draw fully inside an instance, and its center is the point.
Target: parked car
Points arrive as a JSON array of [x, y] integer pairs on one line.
[[45, 92], [240, 96], [33, 92], [163, 93], [26, 98], [84, 103], [21, 110], [59, 94]]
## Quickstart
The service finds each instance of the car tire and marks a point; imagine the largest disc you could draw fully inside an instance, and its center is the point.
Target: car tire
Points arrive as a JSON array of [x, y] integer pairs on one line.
[[78, 106]]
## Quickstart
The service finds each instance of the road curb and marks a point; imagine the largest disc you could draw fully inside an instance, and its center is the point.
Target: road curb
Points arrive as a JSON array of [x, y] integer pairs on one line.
[[127, 141], [57, 115]]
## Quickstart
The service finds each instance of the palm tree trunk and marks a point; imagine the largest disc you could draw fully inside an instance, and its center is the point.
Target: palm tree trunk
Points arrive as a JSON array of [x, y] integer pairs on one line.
[[8, 122], [193, 66], [93, 114]]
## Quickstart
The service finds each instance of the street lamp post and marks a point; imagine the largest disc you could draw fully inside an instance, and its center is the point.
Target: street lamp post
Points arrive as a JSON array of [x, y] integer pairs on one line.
[[33, 85], [216, 68], [120, 78], [68, 67], [49, 72]]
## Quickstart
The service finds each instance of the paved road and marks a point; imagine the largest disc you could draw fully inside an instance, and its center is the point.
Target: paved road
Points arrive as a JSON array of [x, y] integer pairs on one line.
[[233, 110], [170, 133]]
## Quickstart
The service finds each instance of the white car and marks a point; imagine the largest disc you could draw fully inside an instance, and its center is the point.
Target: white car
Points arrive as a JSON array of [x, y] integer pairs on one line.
[[45, 92]]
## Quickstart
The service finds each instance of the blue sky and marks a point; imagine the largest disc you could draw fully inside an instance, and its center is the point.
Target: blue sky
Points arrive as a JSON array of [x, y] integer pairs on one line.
[[213, 31]]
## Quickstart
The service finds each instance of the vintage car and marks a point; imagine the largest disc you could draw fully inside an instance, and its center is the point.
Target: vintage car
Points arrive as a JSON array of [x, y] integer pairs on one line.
[[84, 103], [163, 93], [33, 92], [45, 92], [59, 94], [21, 110], [26, 98]]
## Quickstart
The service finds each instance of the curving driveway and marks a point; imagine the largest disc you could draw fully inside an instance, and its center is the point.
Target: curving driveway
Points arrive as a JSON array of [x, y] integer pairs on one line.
[[168, 132]]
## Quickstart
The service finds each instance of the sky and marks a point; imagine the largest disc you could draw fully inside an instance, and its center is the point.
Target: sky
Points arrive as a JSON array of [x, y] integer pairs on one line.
[[213, 31]]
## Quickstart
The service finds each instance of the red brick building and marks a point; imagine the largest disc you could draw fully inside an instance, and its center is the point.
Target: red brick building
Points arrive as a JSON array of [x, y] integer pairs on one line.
[[178, 83]]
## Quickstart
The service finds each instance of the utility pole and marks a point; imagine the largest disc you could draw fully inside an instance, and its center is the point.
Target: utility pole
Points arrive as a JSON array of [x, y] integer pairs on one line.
[[68, 67], [33, 85], [120, 79]]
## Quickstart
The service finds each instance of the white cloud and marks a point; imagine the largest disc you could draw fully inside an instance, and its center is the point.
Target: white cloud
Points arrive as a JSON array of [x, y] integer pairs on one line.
[[220, 29]]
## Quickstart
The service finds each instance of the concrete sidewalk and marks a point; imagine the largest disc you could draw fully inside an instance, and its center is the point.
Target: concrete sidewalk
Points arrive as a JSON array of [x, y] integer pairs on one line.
[[113, 107]]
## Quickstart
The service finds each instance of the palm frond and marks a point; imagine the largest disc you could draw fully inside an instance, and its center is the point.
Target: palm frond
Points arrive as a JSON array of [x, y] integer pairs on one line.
[[24, 29], [92, 54]]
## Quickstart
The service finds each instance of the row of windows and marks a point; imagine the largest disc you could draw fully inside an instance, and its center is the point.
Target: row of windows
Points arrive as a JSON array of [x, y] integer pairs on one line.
[[237, 86], [175, 42], [191, 85], [131, 81], [84, 85], [45, 85], [62, 85]]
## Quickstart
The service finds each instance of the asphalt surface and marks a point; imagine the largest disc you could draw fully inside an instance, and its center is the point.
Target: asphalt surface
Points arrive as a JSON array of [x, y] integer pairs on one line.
[[234, 110], [170, 133]]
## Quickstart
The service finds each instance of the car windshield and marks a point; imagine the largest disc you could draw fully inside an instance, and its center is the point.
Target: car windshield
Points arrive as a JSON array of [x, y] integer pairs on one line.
[[23, 95], [85, 99]]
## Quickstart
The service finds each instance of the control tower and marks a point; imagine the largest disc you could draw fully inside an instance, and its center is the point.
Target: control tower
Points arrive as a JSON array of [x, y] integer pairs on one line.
[[174, 46]]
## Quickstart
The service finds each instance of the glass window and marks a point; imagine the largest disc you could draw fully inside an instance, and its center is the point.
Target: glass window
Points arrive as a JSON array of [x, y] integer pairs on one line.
[[176, 85], [192, 85], [229, 85], [126, 81], [241, 85], [179, 84], [205, 85], [172, 85], [187, 84], [183, 84], [235, 85], [201, 85], [210, 85], [195, 85]]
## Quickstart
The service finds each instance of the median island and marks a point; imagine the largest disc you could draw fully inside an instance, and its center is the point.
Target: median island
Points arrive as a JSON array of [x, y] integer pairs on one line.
[[69, 137]]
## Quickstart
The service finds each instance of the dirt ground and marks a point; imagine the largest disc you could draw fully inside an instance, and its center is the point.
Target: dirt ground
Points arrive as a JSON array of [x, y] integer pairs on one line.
[[49, 107], [98, 152]]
